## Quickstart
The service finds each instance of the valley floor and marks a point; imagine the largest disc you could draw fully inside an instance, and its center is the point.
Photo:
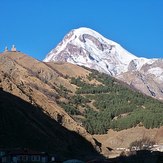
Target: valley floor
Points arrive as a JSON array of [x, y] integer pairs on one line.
[[113, 143]]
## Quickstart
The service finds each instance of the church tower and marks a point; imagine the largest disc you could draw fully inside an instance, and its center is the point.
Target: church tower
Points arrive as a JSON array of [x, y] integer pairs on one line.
[[13, 49], [6, 49]]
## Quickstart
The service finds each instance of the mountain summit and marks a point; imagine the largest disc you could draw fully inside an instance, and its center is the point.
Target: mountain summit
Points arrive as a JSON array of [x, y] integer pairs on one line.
[[86, 47]]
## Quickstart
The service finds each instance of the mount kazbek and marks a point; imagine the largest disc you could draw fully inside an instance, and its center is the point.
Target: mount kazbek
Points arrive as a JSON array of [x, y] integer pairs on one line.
[[86, 47]]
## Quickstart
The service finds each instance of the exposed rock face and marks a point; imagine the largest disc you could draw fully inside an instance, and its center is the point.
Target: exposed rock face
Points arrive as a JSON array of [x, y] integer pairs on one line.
[[88, 48], [148, 79]]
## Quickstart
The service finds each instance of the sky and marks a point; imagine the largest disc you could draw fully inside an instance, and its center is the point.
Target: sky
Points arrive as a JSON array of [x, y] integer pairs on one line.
[[37, 26]]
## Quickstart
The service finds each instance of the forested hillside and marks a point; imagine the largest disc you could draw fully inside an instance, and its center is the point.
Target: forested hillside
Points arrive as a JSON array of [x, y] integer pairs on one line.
[[110, 104]]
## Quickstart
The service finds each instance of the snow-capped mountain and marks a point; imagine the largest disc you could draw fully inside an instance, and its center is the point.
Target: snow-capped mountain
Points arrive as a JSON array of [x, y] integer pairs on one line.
[[86, 47]]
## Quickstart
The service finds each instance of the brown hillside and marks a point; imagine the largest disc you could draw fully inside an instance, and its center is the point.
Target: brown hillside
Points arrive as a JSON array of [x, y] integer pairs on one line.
[[38, 83], [122, 139]]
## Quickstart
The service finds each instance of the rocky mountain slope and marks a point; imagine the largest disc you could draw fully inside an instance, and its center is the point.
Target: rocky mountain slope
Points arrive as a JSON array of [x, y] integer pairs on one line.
[[86, 47]]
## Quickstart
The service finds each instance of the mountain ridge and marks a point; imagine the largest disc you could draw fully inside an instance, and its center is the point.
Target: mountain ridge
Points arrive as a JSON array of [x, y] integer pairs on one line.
[[86, 47], [80, 37]]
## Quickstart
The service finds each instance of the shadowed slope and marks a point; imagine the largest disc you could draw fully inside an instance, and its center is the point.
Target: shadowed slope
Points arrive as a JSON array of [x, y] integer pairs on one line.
[[39, 84], [24, 125]]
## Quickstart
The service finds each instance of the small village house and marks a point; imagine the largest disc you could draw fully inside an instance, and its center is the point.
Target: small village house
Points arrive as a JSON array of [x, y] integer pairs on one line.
[[25, 156]]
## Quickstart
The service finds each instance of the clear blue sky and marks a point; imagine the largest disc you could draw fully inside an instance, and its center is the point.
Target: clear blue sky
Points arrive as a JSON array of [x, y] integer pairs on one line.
[[37, 26]]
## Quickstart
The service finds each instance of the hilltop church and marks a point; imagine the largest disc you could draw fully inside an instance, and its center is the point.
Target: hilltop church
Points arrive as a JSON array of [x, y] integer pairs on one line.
[[13, 49]]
